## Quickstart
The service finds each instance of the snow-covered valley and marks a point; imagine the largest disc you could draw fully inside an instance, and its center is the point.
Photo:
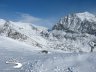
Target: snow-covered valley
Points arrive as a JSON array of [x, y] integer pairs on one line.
[[69, 47]]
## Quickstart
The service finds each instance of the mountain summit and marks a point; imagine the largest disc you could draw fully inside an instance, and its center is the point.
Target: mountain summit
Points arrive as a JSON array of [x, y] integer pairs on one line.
[[86, 15]]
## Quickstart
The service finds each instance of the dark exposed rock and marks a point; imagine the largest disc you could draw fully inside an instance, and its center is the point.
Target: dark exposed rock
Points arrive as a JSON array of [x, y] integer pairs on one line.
[[44, 51]]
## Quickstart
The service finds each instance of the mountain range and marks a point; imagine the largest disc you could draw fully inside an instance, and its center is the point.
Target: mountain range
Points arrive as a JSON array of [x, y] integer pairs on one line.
[[73, 33]]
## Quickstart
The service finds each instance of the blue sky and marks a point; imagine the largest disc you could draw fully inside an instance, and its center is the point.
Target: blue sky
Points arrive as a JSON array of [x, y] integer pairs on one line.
[[43, 12]]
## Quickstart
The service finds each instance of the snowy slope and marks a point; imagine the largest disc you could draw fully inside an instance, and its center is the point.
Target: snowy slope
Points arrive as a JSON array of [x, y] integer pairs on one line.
[[19, 57], [13, 45]]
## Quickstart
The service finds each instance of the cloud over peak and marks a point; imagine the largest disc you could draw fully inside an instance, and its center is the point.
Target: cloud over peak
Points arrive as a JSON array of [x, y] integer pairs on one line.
[[29, 19]]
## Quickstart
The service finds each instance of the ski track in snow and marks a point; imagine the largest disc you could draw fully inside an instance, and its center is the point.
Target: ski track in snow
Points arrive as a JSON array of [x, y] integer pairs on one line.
[[17, 64]]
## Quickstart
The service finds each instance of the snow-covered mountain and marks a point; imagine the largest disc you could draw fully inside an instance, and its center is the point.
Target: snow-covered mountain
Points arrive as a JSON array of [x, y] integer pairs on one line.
[[73, 33], [78, 22], [24, 32]]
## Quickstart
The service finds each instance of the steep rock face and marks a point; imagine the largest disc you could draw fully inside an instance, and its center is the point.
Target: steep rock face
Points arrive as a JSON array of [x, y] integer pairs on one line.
[[79, 22]]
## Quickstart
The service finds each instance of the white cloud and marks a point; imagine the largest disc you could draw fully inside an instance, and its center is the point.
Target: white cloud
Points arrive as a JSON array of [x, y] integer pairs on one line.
[[35, 20]]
